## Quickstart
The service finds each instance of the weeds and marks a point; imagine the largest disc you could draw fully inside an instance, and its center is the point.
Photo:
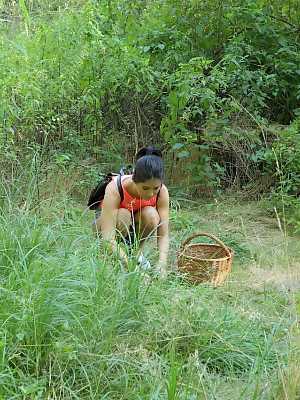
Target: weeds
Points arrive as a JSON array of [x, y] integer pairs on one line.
[[75, 325]]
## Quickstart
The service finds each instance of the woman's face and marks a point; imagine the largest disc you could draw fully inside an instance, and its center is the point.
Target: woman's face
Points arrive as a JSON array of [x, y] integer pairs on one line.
[[149, 188]]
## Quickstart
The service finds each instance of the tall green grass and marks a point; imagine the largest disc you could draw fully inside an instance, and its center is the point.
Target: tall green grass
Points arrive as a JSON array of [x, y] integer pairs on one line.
[[74, 325]]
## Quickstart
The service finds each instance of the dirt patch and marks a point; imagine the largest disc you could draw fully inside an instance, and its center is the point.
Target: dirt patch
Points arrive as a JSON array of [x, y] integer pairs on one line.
[[282, 280]]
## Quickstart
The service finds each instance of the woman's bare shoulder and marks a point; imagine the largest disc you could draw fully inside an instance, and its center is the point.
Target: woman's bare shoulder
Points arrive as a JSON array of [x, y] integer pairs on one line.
[[164, 190], [112, 190], [163, 197]]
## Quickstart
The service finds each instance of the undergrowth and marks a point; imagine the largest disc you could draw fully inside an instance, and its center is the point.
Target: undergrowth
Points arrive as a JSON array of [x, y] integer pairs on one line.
[[75, 325]]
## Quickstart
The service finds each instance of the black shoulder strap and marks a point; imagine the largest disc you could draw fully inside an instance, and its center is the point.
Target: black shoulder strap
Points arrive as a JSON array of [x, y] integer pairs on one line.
[[120, 187]]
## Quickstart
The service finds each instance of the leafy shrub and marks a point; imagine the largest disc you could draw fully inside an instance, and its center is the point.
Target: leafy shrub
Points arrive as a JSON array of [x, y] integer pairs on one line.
[[282, 163], [191, 75]]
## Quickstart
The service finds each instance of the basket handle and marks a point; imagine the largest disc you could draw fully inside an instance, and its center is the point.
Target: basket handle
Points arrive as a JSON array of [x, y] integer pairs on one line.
[[189, 239]]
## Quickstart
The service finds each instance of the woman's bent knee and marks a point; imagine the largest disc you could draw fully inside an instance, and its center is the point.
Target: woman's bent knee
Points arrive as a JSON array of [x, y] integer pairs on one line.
[[147, 221], [150, 216], [124, 221]]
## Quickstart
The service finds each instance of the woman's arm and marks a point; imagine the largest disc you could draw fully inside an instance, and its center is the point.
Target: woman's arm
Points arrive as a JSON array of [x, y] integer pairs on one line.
[[163, 228], [108, 219]]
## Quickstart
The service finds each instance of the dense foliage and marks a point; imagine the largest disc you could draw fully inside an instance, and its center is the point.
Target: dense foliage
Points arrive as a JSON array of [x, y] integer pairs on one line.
[[217, 84], [83, 84]]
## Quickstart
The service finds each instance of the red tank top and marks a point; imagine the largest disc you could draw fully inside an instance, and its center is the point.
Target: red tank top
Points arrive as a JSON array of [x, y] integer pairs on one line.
[[134, 203]]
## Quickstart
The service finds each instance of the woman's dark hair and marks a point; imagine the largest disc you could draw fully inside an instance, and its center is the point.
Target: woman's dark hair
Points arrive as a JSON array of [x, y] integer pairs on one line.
[[149, 165]]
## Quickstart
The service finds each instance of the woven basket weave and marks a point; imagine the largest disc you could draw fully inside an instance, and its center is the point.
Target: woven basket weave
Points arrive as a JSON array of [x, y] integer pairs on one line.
[[204, 262]]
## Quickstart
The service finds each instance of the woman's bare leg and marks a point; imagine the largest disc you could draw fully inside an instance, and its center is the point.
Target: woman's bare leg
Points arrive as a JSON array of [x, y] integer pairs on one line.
[[146, 223], [124, 222]]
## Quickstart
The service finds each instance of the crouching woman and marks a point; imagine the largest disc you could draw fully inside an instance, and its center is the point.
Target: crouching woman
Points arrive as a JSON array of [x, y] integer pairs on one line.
[[143, 211]]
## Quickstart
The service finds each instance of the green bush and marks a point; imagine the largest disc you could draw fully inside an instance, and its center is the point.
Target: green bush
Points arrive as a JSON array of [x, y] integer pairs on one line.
[[282, 163], [191, 76]]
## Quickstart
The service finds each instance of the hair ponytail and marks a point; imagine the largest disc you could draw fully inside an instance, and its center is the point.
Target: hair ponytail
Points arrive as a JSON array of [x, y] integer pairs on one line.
[[149, 165], [148, 151]]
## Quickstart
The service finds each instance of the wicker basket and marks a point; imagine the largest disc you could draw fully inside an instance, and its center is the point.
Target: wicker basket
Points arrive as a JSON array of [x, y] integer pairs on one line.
[[203, 262]]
